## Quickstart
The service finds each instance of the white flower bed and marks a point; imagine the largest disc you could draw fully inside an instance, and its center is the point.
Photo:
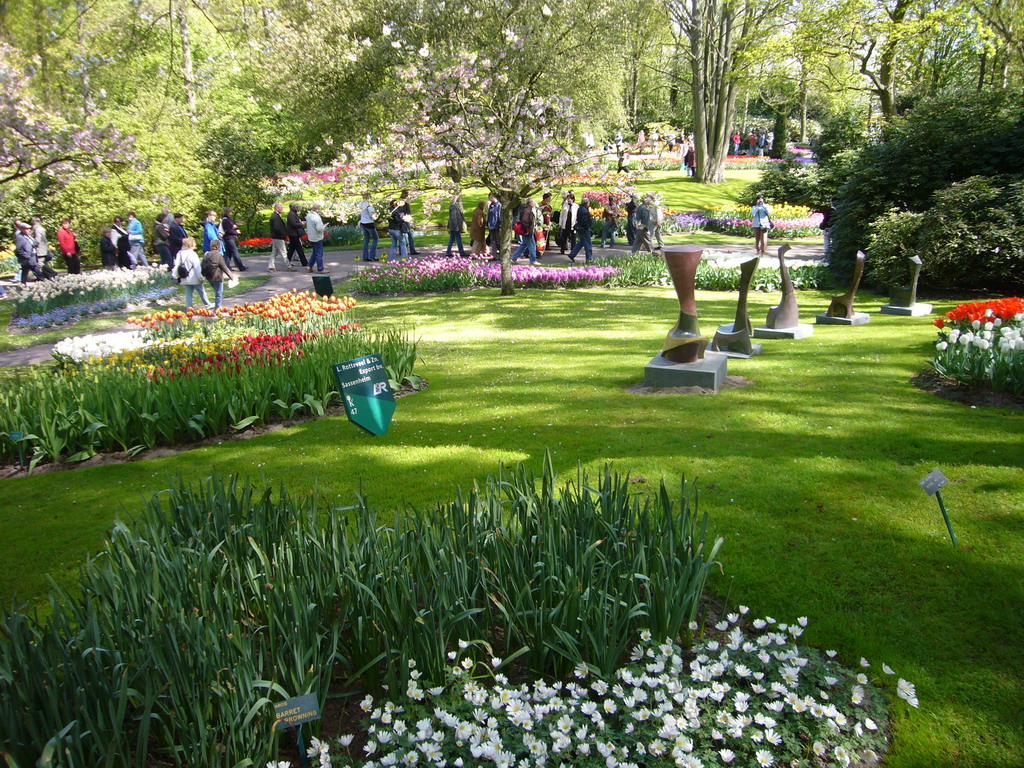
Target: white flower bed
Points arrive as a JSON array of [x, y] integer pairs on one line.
[[83, 285], [79, 348], [749, 700]]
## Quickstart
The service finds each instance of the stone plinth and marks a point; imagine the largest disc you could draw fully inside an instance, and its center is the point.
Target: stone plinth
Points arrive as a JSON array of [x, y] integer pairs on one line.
[[708, 372], [917, 310], [801, 331], [858, 318]]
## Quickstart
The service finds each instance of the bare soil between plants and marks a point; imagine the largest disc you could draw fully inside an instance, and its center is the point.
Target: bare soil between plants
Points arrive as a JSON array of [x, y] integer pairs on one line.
[[932, 383], [731, 382], [123, 457]]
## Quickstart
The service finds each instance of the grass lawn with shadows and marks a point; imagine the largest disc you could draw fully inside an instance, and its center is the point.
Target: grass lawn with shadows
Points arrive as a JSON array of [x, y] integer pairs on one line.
[[810, 474]]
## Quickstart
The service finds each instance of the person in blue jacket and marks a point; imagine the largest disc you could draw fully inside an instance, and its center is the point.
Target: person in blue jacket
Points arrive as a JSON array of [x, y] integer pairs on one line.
[[210, 232]]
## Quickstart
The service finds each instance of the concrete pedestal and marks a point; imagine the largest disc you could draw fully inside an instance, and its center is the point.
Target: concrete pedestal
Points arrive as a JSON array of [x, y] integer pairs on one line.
[[917, 310], [859, 318], [801, 331], [708, 372], [756, 349]]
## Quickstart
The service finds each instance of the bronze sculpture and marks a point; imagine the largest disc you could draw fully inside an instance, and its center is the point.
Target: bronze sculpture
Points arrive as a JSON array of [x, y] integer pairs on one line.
[[906, 296], [787, 313], [684, 343], [737, 340], [842, 305]]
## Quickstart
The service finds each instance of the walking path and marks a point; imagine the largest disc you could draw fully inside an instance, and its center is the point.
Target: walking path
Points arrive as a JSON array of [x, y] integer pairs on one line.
[[342, 264]]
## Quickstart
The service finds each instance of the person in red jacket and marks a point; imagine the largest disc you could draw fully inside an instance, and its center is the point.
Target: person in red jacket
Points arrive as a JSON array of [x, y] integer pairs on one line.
[[69, 247]]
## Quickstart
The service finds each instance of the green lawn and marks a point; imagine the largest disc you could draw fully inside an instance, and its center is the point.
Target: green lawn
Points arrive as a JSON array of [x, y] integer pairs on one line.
[[811, 475], [11, 340]]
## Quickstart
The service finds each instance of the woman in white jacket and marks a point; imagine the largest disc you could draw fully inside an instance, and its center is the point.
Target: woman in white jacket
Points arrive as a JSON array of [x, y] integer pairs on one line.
[[187, 263]]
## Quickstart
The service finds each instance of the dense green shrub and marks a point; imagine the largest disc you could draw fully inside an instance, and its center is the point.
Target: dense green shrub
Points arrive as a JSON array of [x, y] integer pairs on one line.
[[650, 269], [217, 601], [894, 237], [974, 235], [944, 140]]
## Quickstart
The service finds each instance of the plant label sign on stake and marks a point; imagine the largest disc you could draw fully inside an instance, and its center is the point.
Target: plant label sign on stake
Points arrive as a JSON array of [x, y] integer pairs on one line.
[[16, 437], [932, 484], [366, 391], [292, 713]]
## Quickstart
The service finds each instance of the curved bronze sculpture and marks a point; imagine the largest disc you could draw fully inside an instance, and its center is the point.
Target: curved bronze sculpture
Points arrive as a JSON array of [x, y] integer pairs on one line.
[[738, 339], [906, 296], [787, 313], [684, 343], [842, 305]]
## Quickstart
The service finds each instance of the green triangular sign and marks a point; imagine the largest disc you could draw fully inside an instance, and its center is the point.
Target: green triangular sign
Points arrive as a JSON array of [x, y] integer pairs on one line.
[[366, 392]]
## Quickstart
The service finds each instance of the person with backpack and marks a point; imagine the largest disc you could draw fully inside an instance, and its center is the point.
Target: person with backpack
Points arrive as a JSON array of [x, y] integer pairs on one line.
[[584, 227], [215, 270], [396, 231], [189, 270]]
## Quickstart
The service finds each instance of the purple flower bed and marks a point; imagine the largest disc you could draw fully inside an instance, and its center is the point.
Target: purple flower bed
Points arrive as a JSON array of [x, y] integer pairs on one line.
[[71, 312], [440, 273]]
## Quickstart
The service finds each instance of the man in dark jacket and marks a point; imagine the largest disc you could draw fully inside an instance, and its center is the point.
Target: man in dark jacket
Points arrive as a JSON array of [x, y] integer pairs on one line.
[[176, 235], [407, 211], [25, 252], [162, 238], [108, 251], [295, 227], [278, 236], [584, 224], [229, 240], [456, 223], [494, 226]]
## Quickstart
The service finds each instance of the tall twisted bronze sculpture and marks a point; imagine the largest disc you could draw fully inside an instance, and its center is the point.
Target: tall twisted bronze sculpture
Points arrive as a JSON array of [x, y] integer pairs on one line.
[[684, 343], [903, 299], [906, 296], [737, 340], [787, 313], [842, 305]]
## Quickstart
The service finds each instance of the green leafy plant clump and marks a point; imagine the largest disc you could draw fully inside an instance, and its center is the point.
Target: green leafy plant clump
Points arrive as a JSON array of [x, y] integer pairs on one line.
[[238, 598]]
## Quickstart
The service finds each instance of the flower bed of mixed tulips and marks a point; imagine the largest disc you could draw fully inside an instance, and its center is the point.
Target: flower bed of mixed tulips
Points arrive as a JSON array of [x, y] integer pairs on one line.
[[67, 297], [443, 273], [788, 221], [982, 344], [185, 377]]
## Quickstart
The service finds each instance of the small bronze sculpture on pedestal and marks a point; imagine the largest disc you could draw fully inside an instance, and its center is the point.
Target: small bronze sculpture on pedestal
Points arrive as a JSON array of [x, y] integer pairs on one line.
[[684, 343], [738, 339], [906, 296], [787, 313], [842, 305]]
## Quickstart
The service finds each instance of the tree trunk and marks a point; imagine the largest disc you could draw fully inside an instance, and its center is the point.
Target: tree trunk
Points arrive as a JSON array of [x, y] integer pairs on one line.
[[87, 103], [781, 131], [803, 103], [510, 202], [187, 73]]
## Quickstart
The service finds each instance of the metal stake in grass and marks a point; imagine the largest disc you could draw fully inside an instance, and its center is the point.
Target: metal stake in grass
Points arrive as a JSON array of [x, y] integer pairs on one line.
[[932, 482]]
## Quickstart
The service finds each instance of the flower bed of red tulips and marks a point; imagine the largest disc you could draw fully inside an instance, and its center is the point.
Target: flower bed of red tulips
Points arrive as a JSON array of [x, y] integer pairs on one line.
[[1004, 309]]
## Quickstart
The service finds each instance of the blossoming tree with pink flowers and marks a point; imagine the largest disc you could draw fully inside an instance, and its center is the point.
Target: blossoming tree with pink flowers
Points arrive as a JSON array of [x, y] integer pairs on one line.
[[33, 142], [477, 120]]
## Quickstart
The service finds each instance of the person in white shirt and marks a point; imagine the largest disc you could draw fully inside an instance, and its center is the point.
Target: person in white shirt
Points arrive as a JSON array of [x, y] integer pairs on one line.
[[188, 269], [368, 221], [315, 229]]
